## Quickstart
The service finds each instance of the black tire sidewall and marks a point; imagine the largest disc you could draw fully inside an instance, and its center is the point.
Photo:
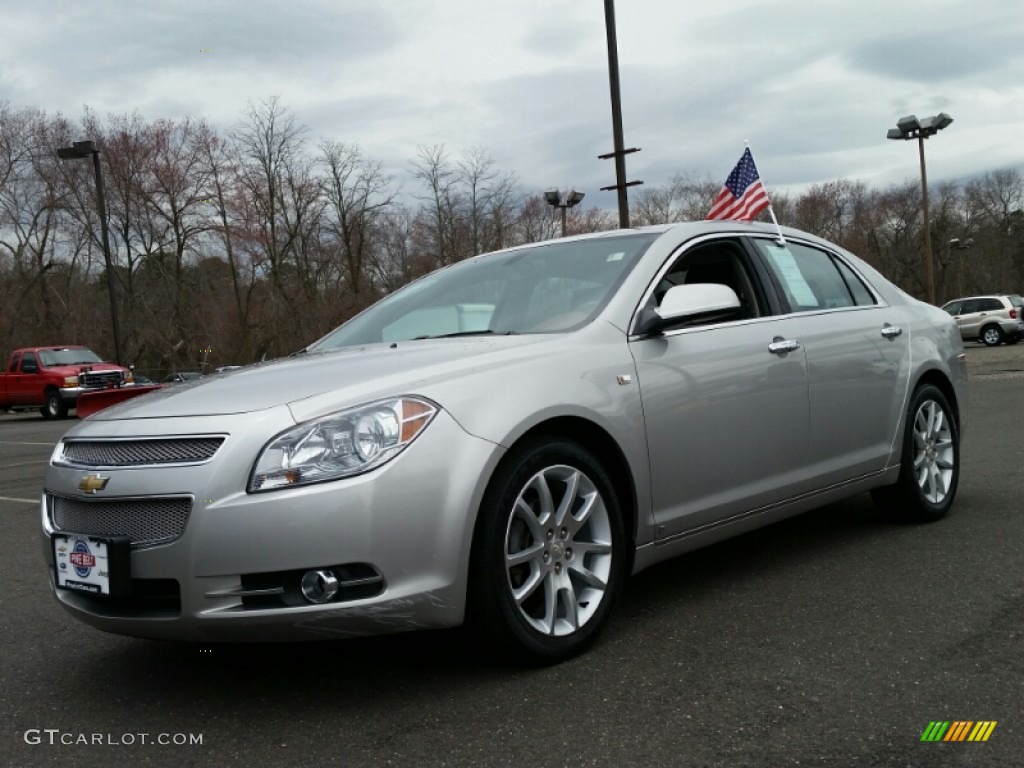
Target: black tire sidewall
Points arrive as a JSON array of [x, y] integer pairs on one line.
[[913, 504], [53, 407], [492, 609]]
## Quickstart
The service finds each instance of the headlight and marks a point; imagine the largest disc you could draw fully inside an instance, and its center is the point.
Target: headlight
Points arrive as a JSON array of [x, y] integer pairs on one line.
[[70, 381], [340, 445]]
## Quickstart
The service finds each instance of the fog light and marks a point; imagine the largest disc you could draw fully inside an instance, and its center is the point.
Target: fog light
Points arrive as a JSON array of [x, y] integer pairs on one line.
[[319, 586]]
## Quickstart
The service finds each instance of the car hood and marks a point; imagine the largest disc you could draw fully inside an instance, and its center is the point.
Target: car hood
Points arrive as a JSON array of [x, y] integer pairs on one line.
[[378, 370]]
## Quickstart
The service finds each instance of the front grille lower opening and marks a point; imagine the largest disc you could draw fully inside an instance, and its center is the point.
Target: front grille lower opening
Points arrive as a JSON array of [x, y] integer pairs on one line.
[[147, 522], [151, 598]]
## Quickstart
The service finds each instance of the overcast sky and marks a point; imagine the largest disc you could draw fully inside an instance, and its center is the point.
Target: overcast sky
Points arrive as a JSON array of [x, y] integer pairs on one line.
[[813, 85]]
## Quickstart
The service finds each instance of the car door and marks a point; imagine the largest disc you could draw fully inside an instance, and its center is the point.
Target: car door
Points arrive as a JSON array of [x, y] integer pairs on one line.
[[725, 404], [970, 318], [858, 359], [10, 381]]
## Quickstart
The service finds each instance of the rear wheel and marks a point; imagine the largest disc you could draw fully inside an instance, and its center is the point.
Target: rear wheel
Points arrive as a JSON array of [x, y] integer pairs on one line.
[[548, 552], [54, 407], [929, 462], [992, 335]]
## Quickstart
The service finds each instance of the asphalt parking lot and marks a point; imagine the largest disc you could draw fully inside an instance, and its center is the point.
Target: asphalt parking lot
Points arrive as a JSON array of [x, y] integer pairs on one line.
[[831, 639]]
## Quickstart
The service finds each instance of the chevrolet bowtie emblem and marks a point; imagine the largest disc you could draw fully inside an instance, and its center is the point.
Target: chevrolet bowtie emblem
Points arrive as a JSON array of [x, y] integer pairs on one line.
[[93, 483]]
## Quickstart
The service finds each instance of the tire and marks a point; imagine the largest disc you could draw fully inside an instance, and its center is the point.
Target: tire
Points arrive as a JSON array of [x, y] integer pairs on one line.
[[54, 407], [991, 335], [929, 461], [544, 571]]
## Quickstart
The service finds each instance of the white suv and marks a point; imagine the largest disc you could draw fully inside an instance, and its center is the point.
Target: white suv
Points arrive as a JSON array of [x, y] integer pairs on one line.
[[990, 319]]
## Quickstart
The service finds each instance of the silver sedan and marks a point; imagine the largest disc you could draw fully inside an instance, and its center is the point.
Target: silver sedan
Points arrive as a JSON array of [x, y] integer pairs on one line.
[[505, 440]]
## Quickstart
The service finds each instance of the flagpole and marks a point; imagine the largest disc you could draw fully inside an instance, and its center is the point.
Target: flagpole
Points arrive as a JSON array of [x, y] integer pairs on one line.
[[771, 211]]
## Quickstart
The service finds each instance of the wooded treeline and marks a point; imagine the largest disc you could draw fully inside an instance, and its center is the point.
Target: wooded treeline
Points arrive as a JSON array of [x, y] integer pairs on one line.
[[256, 241]]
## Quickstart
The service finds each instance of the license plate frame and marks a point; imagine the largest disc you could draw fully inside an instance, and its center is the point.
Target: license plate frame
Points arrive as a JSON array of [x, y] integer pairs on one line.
[[99, 566]]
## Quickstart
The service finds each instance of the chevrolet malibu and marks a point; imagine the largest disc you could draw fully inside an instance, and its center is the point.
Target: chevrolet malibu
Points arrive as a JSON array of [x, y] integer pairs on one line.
[[505, 440]]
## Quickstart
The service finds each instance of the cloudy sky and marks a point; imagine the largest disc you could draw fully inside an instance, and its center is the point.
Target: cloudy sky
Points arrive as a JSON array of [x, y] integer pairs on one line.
[[813, 85]]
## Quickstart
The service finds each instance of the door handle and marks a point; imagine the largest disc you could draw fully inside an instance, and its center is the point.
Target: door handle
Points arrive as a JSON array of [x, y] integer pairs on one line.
[[891, 331], [781, 346]]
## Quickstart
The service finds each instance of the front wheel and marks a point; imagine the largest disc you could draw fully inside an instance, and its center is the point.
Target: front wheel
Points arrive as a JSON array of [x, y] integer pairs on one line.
[[992, 335], [549, 552], [54, 407], [929, 462]]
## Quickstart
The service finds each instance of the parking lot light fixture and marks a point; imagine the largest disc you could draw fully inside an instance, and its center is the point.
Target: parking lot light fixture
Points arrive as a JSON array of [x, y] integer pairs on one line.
[[956, 245], [554, 198], [907, 128], [81, 150]]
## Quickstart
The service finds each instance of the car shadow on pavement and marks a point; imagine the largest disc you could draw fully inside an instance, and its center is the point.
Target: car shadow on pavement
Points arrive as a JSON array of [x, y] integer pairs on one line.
[[435, 655]]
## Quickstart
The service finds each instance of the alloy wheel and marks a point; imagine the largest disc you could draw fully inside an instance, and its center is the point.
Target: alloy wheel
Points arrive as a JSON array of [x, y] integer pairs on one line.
[[934, 454], [558, 550]]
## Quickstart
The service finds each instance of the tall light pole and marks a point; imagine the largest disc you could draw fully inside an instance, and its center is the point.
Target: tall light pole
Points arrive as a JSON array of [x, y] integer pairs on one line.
[[956, 245], [80, 150], [911, 128], [554, 198]]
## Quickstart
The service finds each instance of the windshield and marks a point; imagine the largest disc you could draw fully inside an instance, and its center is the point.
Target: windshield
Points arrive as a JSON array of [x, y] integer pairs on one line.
[[551, 288], [73, 356]]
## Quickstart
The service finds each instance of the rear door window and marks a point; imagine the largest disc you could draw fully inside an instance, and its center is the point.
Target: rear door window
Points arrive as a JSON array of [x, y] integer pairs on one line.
[[812, 279], [861, 295]]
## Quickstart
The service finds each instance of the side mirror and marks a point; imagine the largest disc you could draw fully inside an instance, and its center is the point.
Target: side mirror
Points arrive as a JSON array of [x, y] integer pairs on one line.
[[697, 303], [29, 368]]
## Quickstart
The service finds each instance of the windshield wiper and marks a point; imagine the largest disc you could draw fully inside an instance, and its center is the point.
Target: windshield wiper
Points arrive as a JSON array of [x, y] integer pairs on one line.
[[461, 333]]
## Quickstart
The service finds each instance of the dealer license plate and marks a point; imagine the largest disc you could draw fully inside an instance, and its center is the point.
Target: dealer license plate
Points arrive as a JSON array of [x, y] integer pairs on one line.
[[94, 564]]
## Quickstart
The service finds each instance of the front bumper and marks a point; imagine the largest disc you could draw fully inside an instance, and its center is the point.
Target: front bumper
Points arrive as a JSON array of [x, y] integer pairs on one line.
[[70, 394], [232, 573]]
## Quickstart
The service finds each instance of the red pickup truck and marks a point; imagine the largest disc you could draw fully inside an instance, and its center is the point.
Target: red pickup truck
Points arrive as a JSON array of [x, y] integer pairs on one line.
[[52, 378]]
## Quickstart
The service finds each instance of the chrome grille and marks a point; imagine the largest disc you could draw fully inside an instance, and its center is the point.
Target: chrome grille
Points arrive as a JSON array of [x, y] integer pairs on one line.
[[145, 521], [139, 453], [93, 379]]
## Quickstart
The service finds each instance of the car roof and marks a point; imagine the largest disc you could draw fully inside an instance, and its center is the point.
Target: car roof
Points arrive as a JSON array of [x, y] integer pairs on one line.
[[983, 296], [684, 229]]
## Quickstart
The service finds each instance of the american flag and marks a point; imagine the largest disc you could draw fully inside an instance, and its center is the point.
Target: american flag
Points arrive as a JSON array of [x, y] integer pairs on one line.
[[743, 196]]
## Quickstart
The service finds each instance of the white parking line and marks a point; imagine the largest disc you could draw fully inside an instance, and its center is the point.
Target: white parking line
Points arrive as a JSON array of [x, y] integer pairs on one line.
[[14, 498], [24, 464]]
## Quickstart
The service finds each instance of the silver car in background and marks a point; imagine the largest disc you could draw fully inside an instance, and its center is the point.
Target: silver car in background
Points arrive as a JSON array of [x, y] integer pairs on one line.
[[505, 440], [992, 320]]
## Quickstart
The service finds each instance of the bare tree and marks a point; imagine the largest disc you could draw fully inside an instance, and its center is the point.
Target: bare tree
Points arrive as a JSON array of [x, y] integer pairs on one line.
[[359, 195], [439, 228]]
